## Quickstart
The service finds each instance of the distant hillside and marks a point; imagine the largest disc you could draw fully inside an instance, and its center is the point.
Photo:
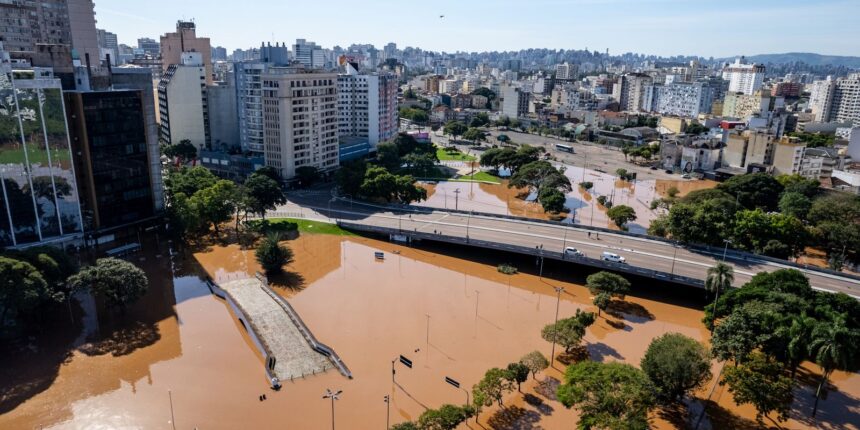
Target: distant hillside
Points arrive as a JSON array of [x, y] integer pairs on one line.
[[806, 57]]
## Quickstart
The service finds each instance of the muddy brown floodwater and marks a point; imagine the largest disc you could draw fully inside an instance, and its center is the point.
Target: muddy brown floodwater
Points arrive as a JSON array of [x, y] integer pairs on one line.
[[583, 205], [452, 316]]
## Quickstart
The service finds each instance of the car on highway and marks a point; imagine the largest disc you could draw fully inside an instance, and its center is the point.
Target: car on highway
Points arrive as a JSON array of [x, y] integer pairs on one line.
[[573, 252], [612, 257]]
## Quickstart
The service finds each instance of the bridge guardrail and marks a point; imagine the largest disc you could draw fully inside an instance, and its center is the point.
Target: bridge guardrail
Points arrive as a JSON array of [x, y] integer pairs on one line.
[[303, 328], [594, 262], [732, 254]]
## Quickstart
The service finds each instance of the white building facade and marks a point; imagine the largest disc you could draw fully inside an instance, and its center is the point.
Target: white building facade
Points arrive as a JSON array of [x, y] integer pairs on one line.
[[367, 106]]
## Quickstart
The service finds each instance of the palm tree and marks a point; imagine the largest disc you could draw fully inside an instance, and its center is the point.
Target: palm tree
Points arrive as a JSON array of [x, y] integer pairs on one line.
[[800, 334], [834, 346], [720, 278]]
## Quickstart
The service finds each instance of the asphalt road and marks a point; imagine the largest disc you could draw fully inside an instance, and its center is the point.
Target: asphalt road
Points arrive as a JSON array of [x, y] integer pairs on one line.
[[640, 252]]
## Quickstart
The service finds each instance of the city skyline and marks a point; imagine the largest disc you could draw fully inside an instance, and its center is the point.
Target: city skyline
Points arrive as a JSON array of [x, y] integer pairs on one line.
[[744, 28]]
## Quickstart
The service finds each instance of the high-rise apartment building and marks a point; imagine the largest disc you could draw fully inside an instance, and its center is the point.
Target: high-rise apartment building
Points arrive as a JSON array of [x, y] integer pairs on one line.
[[846, 100], [821, 98], [25, 23], [185, 39], [630, 91], [836, 99], [39, 197], [679, 99], [249, 93], [367, 105], [515, 102], [112, 158], [223, 117], [743, 77], [300, 121], [82, 25], [183, 107], [309, 54], [566, 71]]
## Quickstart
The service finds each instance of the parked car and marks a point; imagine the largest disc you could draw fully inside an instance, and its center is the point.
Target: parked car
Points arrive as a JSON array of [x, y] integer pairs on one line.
[[686, 176], [573, 252], [612, 257]]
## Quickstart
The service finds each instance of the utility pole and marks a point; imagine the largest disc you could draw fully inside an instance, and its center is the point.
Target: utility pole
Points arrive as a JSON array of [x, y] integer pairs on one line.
[[457, 199], [558, 291]]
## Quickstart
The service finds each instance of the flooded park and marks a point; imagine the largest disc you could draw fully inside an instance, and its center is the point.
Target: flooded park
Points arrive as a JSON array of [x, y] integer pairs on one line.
[[179, 358], [582, 205]]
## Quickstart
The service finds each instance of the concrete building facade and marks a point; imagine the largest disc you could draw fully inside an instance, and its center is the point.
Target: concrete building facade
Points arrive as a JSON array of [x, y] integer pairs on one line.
[[182, 102], [300, 120], [367, 106], [183, 40], [743, 77]]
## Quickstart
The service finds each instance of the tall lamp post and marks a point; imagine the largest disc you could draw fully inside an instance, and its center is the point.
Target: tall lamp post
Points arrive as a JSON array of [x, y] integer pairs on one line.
[[329, 394], [387, 400], [726, 249], [558, 291]]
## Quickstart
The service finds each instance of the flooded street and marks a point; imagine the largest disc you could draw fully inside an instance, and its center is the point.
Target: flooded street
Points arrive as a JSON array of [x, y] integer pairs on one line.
[[453, 317], [583, 205]]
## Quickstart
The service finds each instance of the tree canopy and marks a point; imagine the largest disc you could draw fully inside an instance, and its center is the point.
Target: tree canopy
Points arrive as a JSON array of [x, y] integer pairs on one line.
[[568, 332], [608, 282], [608, 395], [621, 215], [676, 365], [119, 282]]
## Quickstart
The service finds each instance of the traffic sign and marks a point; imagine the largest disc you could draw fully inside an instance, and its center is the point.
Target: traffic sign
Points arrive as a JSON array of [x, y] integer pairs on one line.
[[406, 362], [452, 382]]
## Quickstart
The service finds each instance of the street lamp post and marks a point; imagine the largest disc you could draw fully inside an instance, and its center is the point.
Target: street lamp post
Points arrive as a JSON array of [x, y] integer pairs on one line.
[[468, 223], [387, 400], [726, 249], [329, 394], [564, 244], [457, 199], [558, 291], [674, 254]]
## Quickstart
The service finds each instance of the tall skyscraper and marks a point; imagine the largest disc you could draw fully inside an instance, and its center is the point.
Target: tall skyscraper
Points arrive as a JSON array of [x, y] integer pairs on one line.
[[39, 197], [185, 39], [300, 123], [367, 105]]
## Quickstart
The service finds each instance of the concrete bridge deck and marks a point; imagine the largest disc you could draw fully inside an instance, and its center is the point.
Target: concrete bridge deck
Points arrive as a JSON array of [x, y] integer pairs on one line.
[[290, 349], [646, 256]]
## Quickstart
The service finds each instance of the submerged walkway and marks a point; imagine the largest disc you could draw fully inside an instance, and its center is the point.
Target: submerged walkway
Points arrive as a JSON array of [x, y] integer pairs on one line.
[[279, 332]]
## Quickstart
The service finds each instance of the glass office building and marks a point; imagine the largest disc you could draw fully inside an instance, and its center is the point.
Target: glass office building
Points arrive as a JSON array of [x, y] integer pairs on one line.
[[39, 201]]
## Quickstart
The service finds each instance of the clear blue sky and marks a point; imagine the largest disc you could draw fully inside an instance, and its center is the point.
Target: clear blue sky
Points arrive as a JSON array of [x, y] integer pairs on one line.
[[663, 27]]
